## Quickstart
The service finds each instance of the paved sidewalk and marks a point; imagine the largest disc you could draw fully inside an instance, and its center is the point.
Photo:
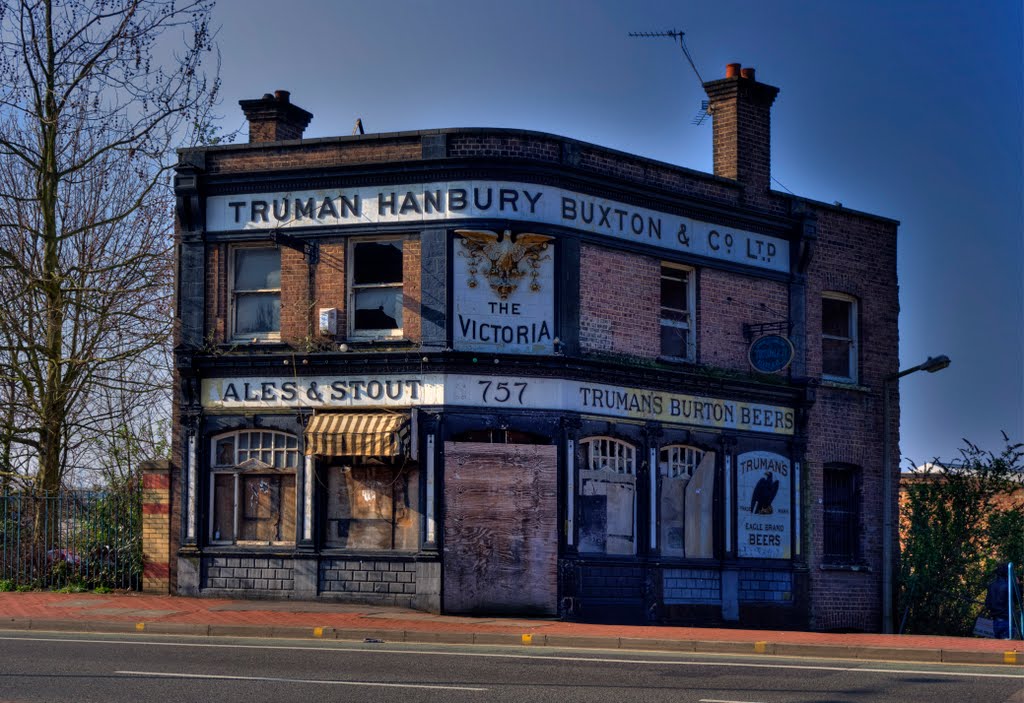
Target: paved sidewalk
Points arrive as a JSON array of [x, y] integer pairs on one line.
[[87, 612]]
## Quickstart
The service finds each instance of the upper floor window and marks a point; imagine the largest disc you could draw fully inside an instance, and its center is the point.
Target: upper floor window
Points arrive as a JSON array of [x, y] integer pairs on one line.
[[677, 340], [376, 288], [256, 293], [839, 337]]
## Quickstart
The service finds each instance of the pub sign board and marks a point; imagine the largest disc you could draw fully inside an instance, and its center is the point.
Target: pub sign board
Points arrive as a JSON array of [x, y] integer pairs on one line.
[[763, 515], [770, 353]]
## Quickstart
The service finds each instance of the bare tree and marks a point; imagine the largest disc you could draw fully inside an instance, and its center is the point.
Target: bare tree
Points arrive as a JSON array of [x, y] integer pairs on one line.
[[94, 95]]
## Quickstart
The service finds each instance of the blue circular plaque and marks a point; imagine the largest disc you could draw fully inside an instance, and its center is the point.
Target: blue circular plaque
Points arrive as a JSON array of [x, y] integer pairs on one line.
[[770, 353]]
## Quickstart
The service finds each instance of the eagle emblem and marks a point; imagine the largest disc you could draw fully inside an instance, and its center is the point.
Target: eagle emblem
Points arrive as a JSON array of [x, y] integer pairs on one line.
[[498, 258]]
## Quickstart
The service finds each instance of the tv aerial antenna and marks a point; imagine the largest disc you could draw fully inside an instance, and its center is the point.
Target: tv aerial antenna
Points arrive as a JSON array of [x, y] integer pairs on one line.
[[680, 37]]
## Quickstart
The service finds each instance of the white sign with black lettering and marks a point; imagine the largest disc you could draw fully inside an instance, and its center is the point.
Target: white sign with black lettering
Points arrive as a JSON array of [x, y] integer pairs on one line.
[[510, 201], [763, 515], [504, 296], [496, 391]]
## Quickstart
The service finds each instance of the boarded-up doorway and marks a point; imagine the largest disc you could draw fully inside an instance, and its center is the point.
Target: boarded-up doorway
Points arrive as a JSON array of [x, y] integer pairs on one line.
[[500, 528]]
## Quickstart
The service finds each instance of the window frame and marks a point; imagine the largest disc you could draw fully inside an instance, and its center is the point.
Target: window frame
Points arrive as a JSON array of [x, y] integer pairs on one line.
[[353, 287], [412, 496], [689, 466], [690, 324], [853, 339], [238, 470], [852, 513], [627, 458], [235, 336]]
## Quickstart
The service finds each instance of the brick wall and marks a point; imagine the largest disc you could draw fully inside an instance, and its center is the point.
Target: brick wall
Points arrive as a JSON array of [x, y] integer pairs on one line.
[[627, 324], [411, 290], [268, 574], [725, 301], [156, 526], [216, 293], [330, 282], [387, 581], [856, 256], [296, 311], [687, 586]]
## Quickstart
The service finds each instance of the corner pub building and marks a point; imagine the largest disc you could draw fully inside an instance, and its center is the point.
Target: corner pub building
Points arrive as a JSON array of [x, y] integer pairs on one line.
[[499, 371]]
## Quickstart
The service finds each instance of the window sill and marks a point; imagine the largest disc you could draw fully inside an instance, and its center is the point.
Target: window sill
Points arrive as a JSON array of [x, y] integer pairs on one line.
[[675, 360], [843, 386], [847, 567]]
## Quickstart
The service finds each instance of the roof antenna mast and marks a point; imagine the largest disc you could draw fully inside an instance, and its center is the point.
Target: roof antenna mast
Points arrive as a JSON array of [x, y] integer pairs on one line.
[[679, 36]]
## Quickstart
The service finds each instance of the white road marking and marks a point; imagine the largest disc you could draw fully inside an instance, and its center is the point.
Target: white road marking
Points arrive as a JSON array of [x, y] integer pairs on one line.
[[274, 679], [537, 657], [718, 700]]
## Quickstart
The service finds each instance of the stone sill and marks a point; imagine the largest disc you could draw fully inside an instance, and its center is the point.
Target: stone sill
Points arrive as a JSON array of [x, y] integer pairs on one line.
[[839, 385], [862, 568]]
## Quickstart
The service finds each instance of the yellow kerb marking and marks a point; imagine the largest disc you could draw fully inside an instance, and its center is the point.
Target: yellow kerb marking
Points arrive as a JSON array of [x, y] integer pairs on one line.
[[1010, 657], [140, 626], [318, 632], [759, 647], [527, 639]]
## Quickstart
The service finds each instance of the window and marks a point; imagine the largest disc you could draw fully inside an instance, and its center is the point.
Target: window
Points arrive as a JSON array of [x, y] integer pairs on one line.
[[256, 292], [252, 485], [841, 523], [372, 506], [376, 288], [685, 501], [607, 496], [839, 338], [677, 340]]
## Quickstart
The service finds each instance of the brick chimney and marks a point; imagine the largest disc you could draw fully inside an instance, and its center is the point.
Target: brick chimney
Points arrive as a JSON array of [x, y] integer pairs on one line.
[[740, 110], [273, 118]]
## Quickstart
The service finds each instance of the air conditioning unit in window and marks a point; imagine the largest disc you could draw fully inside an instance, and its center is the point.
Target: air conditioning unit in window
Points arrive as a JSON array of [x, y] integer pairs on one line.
[[328, 321]]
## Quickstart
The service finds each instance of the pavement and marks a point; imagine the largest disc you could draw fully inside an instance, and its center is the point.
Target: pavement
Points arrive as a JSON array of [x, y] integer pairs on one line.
[[213, 617]]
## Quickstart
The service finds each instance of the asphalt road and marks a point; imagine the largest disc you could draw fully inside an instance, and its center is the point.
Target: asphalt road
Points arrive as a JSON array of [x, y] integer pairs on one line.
[[140, 668]]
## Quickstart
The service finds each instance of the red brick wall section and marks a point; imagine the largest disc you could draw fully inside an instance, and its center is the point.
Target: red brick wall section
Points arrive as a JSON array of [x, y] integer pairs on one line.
[[856, 256], [156, 527], [411, 291], [296, 308], [306, 155], [216, 293], [725, 301], [620, 303], [330, 282]]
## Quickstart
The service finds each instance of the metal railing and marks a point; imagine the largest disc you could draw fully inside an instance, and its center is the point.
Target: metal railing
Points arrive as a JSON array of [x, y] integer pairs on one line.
[[71, 539]]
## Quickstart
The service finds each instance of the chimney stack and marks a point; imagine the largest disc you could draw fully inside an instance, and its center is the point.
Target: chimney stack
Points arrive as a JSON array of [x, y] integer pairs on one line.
[[273, 118], [740, 110]]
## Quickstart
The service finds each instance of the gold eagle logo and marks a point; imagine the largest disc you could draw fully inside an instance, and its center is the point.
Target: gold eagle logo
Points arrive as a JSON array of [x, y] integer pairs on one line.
[[498, 257]]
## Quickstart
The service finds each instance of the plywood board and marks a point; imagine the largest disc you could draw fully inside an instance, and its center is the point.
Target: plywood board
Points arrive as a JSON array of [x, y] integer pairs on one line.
[[500, 528]]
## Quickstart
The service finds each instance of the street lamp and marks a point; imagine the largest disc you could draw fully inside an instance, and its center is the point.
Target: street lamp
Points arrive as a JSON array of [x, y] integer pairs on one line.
[[931, 365]]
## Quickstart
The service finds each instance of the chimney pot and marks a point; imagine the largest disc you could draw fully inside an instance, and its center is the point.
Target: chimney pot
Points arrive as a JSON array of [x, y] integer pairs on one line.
[[282, 96], [732, 70], [747, 73]]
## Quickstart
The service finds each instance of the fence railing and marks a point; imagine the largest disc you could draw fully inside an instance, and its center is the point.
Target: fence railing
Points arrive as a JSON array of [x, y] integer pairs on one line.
[[72, 538]]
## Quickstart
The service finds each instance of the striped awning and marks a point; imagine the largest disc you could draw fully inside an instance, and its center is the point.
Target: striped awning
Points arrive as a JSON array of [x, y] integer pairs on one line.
[[358, 434]]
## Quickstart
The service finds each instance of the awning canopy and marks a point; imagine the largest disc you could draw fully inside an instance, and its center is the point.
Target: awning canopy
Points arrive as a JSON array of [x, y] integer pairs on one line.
[[358, 434]]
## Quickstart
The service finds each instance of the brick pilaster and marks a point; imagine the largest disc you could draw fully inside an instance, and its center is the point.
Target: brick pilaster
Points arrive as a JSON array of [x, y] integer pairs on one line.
[[156, 526]]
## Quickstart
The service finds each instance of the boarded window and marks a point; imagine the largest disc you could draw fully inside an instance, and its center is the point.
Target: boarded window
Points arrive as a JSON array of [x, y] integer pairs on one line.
[[372, 506], [607, 497], [676, 466], [253, 487]]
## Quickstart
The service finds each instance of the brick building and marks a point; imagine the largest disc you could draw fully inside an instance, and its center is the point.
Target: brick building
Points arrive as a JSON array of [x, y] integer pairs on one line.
[[489, 370]]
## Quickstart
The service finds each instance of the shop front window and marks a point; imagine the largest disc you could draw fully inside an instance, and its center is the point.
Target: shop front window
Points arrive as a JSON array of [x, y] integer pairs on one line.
[[252, 486], [606, 496], [685, 501], [372, 505]]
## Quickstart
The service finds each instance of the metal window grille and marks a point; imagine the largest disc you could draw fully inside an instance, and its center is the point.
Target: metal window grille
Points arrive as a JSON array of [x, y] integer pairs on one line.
[[679, 460], [609, 454], [841, 499]]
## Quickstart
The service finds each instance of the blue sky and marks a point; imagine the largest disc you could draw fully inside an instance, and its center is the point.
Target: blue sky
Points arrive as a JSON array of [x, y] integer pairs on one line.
[[911, 110]]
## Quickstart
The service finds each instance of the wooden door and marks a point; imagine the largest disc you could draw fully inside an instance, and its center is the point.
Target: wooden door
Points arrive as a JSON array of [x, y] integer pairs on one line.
[[500, 528]]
